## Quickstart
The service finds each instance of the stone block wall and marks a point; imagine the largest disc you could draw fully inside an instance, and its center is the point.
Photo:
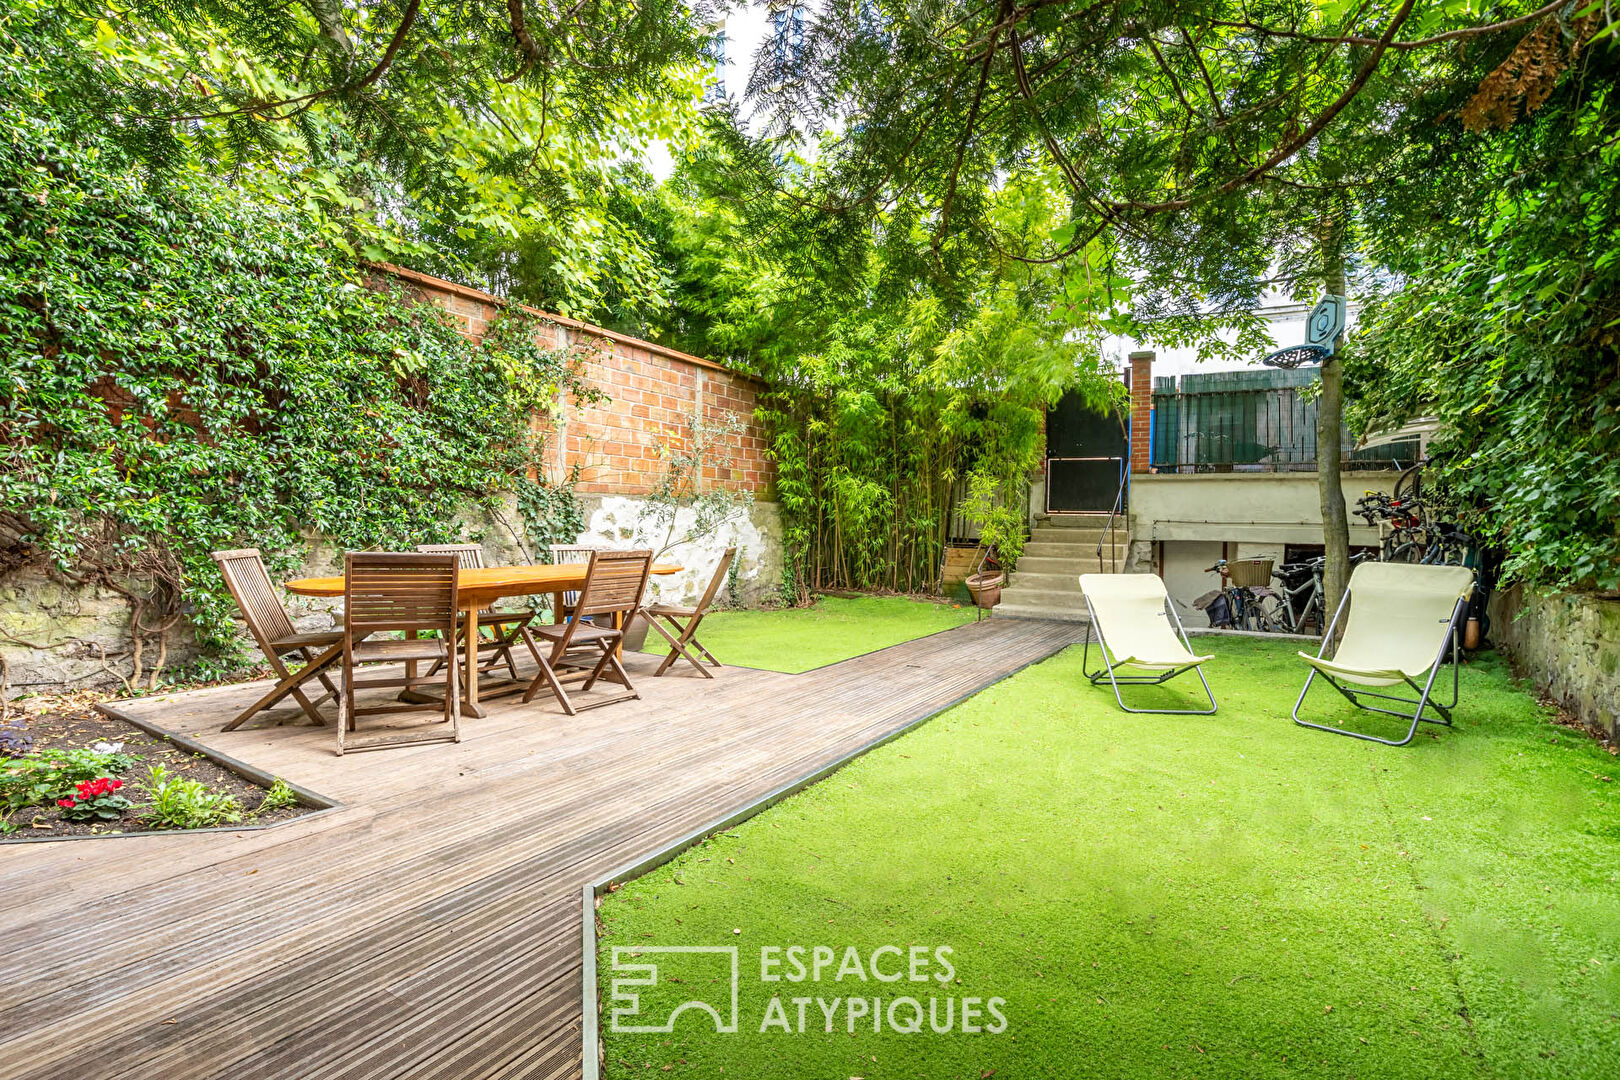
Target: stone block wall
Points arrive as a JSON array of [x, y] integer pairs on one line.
[[1568, 645]]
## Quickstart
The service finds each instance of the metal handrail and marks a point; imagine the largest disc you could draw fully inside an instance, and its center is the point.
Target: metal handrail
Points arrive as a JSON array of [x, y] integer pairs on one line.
[[1108, 530]]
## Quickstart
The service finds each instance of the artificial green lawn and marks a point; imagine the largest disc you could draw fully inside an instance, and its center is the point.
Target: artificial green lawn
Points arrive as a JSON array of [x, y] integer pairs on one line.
[[832, 629], [1220, 896]]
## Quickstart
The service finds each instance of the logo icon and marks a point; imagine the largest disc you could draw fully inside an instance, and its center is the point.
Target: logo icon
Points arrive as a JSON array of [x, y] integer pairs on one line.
[[638, 978]]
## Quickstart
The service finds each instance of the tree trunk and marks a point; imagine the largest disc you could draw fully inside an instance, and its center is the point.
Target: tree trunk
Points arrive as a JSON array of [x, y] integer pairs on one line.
[[1329, 425]]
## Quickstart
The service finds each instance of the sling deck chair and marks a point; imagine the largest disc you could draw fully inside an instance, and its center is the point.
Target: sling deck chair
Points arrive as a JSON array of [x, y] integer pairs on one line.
[[614, 582], [504, 626], [1137, 628], [684, 621], [267, 621], [399, 590], [1403, 617]]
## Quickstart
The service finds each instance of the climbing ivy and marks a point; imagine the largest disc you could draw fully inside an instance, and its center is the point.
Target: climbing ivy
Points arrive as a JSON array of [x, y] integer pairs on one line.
[[193, 366]]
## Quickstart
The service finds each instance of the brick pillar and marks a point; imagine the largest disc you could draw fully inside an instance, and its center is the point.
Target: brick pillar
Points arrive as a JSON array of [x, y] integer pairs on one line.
[[1141, 410]]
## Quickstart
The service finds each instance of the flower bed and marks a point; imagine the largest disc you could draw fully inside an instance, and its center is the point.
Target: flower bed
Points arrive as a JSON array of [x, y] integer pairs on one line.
[[68, 770]]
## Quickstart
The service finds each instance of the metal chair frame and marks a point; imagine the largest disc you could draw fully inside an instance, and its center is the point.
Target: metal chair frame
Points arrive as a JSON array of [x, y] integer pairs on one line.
[[1109, 668], [1425, 692]]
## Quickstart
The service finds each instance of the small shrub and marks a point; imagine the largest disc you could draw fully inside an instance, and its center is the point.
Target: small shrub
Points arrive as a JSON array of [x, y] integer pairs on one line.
[[187, 804], [44, 776], [278, 797], [94, 800]]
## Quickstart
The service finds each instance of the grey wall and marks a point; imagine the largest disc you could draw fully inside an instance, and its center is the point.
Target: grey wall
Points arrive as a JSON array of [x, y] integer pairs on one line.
[[1568, 645]]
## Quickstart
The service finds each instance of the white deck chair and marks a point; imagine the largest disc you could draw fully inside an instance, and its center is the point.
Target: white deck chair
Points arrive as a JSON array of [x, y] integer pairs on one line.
[[1138, 628], [1403, 618]]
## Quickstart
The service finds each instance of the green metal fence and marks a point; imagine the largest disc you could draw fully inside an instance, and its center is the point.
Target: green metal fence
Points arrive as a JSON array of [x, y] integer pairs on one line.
[[1249, 421]]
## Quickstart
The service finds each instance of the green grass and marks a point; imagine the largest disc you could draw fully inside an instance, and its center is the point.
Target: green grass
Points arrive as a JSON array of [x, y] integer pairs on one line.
[[1222, 896], [832, 629]]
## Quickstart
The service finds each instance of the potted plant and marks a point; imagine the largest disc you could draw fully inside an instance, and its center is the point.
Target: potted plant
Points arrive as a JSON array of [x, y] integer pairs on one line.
[[1001, 537]]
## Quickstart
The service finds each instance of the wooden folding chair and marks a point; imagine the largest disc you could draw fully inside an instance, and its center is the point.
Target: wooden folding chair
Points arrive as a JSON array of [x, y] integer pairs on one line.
[[410, 591], [504, 626], [267, 621], [613, 586], [570, 553], [684, 621]]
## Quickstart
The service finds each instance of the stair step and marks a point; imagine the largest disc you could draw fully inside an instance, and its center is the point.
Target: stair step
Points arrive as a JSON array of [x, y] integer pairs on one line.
[[1064, 580], [1071, 536], [1073, 567], [1041, 550], [1076, 521], [1071, 597]]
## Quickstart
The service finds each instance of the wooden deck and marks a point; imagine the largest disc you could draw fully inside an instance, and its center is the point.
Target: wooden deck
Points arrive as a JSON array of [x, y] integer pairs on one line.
[[429, 926]]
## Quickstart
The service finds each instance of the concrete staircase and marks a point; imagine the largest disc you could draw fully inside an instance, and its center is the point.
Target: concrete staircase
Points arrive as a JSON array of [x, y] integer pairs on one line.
[[1045, 585]]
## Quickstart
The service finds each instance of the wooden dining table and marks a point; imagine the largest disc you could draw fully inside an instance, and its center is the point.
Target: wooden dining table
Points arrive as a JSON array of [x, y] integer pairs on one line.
[[479, 588]]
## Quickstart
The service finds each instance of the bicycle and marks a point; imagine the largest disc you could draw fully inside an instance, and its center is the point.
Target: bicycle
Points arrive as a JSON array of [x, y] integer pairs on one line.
[[1300, 598], [1238, 606], [1299, 595]]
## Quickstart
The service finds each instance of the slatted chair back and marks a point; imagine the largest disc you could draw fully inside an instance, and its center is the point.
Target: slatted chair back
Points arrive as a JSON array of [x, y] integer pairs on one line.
[[614, 583], [715, 582], [400, 590], [250, 587], [471, 556], [571, 553]]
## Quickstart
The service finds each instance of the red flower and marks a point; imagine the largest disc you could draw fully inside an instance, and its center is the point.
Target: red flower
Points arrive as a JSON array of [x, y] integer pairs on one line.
[[67, 804], [94, 789]]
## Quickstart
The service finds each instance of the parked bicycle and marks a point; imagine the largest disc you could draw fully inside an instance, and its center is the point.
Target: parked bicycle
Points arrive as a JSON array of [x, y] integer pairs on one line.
[[1415, 532], [1241, 601], [1298, 600]]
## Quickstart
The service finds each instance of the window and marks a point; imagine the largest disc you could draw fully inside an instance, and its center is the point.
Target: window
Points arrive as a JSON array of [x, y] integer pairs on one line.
[[787, 35], [715, 51]]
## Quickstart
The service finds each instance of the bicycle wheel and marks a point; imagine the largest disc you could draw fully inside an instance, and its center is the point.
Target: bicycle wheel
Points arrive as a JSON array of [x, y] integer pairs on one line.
[[1273, 616], [1409, 552], [1410, 484]]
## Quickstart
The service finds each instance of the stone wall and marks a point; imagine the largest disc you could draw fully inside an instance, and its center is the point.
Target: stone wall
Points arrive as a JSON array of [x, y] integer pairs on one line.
[[54, 636], [1568, 645]]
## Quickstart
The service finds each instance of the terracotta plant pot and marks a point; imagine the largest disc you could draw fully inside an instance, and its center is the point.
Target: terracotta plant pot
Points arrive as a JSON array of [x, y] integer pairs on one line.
[[985, 588]]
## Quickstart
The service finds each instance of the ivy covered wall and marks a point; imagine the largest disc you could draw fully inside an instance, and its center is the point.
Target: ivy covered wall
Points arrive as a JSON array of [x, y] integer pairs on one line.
[[189, 367]]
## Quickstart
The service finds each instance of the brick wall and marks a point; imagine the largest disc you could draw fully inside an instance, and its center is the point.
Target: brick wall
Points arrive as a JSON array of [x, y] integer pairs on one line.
[[651, 392], [1141, 411]]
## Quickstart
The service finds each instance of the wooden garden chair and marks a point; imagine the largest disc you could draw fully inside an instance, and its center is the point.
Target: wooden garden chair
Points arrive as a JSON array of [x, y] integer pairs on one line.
[[570, 553], [267, 621], [613, 586], [684, 622], [1140, 636], [1403, 620], [504, 626], [413, 592]]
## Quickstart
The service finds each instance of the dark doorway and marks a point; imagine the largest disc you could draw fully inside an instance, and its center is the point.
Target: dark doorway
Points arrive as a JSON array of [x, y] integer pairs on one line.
[[1086, 456]]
